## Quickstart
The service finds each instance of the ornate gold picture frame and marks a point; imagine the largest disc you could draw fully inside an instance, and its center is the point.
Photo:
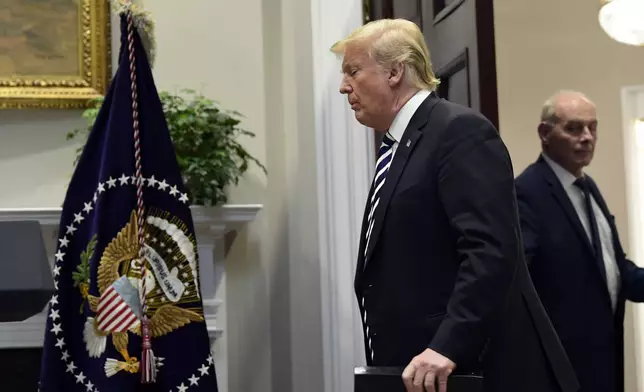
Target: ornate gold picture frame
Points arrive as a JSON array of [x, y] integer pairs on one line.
[[54, 53]]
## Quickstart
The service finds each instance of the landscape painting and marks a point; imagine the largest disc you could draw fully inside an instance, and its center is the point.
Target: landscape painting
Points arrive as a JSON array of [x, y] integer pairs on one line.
[[39, 37], [53, 53]]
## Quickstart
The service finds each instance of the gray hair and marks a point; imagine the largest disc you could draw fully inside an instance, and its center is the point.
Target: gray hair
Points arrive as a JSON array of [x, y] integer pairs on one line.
[[549, 108]]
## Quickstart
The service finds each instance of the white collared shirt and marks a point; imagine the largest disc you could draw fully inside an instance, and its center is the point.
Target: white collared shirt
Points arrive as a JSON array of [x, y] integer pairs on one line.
[[576, 197], [403, 117]]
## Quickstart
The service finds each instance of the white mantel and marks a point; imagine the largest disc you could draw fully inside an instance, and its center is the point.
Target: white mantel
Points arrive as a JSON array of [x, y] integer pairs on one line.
[[211, 227]]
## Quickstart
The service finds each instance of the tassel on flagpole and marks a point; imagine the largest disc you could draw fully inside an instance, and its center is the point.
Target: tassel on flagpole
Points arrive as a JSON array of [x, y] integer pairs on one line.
[[148, 362]]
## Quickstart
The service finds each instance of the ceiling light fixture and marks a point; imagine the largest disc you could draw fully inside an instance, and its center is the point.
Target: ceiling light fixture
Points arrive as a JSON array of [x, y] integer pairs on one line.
[[623, 20]]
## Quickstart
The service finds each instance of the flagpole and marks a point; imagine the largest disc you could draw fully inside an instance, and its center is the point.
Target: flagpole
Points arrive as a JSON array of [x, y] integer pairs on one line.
[[148, 366]]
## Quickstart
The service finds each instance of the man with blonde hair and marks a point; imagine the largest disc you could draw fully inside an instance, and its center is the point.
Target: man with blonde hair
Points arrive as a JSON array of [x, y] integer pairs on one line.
[[441, 281]]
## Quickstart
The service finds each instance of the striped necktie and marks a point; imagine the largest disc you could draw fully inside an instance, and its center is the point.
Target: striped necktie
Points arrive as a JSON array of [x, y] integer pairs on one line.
[[385, 155], [582, 183]]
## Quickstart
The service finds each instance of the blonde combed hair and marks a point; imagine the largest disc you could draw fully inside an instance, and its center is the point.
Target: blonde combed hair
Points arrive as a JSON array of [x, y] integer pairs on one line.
[[396, 41]]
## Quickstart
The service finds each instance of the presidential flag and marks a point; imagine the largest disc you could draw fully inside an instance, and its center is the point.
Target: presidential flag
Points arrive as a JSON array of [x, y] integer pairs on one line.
[[127, 313]]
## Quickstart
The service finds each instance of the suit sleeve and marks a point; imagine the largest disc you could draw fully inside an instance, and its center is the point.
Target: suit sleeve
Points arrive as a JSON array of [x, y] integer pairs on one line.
[[632, 276], [529, 225], [632, 281], [476, 188]]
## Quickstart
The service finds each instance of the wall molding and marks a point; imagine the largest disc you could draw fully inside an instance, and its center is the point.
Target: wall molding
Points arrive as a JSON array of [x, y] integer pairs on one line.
[[344, 166], [632, 100]]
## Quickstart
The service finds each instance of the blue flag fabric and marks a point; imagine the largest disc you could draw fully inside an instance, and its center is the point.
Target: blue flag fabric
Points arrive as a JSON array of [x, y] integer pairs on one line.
[[93, 332]]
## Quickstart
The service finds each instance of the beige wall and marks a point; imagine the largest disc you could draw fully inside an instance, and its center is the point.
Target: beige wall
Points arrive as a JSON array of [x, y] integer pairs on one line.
[[546, 45], [35, 159]]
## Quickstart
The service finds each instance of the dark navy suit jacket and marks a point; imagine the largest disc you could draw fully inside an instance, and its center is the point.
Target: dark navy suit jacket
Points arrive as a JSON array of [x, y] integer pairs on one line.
[[445, 267], [569, 281]]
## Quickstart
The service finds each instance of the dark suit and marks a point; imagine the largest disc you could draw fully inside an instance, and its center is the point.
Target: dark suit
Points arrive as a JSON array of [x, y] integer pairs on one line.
[[570, 282], [445, 267]]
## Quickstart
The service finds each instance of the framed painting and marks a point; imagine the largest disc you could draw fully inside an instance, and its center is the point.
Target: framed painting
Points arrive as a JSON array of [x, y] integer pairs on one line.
[[54, 53]]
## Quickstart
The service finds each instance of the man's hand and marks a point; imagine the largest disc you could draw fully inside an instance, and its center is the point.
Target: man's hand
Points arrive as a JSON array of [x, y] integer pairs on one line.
[[423, 371]]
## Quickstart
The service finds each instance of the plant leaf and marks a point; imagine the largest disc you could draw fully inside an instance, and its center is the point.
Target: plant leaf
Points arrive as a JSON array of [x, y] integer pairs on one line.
[[205, 139]]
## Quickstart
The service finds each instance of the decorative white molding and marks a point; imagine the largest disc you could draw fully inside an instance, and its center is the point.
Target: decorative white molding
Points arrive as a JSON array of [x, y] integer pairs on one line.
[[344, 161], [231, 216], [632, 109], [211, 225]]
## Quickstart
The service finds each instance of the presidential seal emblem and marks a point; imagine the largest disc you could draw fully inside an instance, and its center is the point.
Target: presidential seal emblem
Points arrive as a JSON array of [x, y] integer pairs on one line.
[[166, 281]]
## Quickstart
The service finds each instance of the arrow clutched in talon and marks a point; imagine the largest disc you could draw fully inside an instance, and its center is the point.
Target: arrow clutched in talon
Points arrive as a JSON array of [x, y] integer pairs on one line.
[[113, 366]]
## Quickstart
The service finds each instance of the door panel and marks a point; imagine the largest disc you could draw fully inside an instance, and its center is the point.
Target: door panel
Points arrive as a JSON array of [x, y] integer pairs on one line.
[[460, 36], [410, 10], [377, 9], [461, 41], [455, 81]]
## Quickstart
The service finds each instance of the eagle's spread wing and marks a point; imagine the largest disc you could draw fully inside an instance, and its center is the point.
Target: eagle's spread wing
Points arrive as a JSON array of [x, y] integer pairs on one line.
[[169, 317], [122, 248]]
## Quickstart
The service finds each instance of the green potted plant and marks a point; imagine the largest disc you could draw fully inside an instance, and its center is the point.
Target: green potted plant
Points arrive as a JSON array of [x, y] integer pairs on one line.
[[205, 140]]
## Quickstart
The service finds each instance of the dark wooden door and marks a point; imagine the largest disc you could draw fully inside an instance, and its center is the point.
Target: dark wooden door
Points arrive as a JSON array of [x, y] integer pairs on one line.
[[460, 36]]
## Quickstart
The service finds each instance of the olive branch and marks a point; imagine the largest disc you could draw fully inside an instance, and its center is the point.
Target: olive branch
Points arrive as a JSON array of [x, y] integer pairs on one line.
[[82, 274]]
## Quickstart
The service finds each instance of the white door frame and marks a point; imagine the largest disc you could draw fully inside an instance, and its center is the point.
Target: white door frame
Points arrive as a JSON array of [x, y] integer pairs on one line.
[[632, 98]]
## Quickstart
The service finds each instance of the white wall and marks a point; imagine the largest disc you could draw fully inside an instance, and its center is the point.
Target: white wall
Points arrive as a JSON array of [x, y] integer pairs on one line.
[[35, 159]]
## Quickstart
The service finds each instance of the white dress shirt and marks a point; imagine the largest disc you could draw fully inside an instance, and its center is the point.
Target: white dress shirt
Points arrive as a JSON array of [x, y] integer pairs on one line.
[[576, 197], [403, 117]]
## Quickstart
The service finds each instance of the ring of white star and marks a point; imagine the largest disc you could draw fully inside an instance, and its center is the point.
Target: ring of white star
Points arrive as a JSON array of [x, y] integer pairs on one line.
[[63, 242]]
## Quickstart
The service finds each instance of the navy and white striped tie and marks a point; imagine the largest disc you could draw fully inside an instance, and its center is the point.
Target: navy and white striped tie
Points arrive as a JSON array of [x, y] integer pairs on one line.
[[382, 168], [385, 155]]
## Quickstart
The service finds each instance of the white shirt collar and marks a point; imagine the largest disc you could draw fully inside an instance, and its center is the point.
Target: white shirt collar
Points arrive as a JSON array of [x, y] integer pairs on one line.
[[404, 115], [566, 178]]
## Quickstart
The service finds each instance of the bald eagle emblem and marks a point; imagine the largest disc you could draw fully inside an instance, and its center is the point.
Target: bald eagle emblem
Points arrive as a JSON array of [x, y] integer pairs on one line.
[[168, 284]]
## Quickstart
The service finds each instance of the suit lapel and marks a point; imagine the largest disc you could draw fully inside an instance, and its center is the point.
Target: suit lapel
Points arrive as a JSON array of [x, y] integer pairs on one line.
[[404, 150], [564, 201]]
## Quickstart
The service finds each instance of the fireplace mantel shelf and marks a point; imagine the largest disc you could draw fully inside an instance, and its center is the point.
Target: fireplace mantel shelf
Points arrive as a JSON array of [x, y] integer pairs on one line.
[[230, 215], [211, 225]]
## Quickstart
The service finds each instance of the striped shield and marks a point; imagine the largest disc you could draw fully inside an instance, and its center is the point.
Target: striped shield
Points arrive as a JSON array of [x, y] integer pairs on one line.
[[119, 307]]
